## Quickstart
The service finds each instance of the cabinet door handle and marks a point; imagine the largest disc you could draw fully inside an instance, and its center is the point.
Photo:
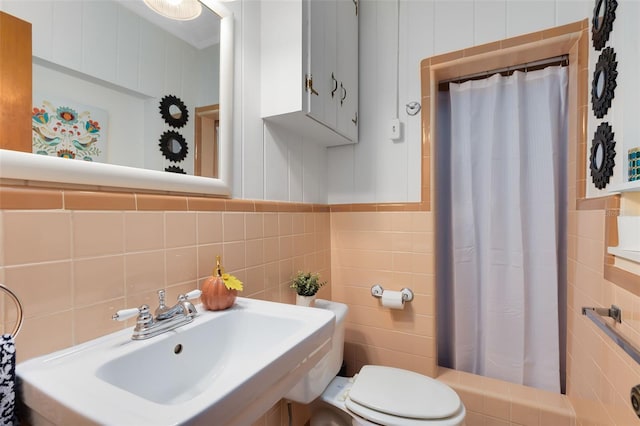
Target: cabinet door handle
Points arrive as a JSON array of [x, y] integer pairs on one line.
[[355, 3], [335, 85], [344, 94], [354, 120], [309, 85]]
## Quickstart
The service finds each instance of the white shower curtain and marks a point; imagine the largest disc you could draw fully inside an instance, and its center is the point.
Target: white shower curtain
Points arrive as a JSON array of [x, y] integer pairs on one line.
[[508, 202]]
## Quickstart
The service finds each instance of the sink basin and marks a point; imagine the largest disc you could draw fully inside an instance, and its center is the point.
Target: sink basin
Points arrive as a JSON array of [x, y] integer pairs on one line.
[[226, 367]]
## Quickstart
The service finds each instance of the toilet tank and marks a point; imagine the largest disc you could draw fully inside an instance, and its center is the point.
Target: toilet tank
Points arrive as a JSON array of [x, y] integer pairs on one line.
[[315, 381]]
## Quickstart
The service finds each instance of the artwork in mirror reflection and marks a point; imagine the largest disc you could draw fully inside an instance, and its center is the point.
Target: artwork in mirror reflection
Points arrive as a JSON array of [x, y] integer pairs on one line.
[[63, 128], [118, 86]]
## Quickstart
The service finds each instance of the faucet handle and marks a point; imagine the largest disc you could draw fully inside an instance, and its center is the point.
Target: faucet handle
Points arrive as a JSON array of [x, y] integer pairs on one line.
[[193, 294], [125, 314], [187, 306], [162, 308], [161, 294]]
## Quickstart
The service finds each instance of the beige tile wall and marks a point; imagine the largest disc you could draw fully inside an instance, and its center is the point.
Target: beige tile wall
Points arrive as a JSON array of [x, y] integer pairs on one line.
[[73, 269], [599, 374], [493, 402], [395, 250], [74, 257]]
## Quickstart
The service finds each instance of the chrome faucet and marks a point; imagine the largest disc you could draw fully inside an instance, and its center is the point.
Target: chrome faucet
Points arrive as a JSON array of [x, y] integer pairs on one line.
[[166, 318], [182, 307]]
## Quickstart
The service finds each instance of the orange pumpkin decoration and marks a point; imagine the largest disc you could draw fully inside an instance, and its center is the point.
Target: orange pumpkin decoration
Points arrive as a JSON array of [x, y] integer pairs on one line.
[[215, 294]]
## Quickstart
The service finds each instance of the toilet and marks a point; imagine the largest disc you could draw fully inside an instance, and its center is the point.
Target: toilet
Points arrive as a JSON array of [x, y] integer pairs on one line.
[[375, 396]]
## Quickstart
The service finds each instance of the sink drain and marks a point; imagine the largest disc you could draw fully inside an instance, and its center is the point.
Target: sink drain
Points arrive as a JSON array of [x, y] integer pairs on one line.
[[178, 349]]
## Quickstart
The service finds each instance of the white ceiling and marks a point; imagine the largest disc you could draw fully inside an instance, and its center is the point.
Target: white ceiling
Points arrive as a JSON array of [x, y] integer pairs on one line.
[[200, 32]]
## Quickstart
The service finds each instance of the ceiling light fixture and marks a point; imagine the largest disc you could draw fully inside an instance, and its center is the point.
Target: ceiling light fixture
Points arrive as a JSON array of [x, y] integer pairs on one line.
[[182, 10]]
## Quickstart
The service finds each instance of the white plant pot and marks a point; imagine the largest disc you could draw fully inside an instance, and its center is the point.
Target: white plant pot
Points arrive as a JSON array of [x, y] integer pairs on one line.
[[629, 233], [305, 300]]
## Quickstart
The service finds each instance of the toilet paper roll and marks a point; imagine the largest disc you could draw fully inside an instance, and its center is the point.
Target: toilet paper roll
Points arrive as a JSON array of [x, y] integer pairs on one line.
[[392, 299]]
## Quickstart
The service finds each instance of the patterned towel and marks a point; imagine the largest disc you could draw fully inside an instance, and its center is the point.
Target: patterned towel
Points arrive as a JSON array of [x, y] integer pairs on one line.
[[7, 380]]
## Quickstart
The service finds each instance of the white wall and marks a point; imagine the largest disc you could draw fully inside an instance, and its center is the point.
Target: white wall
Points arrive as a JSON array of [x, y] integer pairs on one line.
[[125, 112], [378, 169], [274, 164], [270, 163]]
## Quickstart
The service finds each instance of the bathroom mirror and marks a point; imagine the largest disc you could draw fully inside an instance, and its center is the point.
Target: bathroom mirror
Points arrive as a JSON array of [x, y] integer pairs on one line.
[[602, 156], [599, 14], [604, 13], [598, 157], [604, 82], [598, 82], [26, 166]]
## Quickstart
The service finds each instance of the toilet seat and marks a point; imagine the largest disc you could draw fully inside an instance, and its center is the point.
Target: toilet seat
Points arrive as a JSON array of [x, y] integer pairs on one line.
[[396, 397]]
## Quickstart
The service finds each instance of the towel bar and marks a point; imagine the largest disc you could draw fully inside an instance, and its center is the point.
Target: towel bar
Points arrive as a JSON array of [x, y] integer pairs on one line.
[[596, 314], [11, 294]]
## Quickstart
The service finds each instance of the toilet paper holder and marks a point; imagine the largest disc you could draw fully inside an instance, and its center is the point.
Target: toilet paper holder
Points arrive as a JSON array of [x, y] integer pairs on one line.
[[377, 290]]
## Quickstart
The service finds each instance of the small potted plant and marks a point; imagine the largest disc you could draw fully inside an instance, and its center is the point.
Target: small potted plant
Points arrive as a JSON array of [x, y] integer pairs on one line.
[[306, 285]]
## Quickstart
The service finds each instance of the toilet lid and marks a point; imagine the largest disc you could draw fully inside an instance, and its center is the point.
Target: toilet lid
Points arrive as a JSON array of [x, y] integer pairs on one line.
[[402, 393]]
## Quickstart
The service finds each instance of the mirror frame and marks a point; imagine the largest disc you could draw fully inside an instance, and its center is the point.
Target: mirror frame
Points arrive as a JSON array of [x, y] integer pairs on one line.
[[600, 173], [165, 111], [166, 143], [607, 66], [27, 166], [600, 33]]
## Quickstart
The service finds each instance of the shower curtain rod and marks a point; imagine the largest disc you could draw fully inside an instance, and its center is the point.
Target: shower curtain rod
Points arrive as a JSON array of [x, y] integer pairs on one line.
[[562, 60]]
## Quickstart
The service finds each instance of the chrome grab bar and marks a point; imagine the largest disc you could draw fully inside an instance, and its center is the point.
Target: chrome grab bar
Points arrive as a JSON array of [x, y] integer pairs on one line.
[[612, 312], [596, 315], [20, 315]]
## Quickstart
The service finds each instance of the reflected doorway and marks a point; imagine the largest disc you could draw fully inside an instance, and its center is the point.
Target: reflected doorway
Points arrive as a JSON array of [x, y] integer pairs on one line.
[[206, 136]]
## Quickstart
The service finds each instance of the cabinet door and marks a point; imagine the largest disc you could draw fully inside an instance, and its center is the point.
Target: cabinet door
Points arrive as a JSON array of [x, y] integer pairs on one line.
[[15, 83], [321, 60], [347, 63]]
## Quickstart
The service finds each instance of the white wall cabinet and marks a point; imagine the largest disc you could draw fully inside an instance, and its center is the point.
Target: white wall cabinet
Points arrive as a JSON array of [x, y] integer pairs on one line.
[[310, 68]]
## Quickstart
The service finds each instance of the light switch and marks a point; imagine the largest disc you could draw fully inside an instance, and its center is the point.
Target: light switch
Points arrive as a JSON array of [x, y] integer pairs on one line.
[[394, 129]]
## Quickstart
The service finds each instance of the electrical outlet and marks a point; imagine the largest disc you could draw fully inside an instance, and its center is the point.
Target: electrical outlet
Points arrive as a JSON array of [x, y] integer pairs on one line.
[[394, 129]]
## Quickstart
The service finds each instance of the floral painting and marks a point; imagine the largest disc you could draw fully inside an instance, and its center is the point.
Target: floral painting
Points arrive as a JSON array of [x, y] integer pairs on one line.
[[69, 130]]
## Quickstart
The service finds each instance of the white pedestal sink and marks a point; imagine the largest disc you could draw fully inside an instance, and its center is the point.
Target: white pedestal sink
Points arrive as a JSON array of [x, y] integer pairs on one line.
[[225, 368]]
